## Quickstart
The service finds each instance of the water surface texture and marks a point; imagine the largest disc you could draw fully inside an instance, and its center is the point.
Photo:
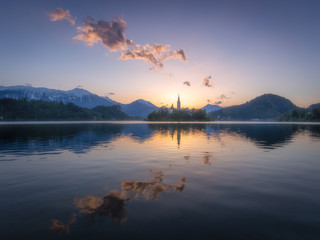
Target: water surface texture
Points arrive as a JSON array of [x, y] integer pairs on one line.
[[159, 181]]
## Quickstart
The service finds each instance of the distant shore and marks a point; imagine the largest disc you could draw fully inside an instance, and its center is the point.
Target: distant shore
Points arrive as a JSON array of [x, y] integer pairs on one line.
[[152, 122]]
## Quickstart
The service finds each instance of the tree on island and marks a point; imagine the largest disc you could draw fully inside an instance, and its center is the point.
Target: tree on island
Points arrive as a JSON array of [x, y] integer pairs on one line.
[[169, 114]]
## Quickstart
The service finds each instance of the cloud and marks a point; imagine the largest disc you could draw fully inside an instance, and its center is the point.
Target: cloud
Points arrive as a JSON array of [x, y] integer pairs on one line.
[[223, 96], [110, 34], [143, 53], [207, 82], [111, 93], [179, 54], [221, 99], [79, 86], [28, 84], [187, 83], [208, 100], [155, 54], [158, 49], [60, 14]]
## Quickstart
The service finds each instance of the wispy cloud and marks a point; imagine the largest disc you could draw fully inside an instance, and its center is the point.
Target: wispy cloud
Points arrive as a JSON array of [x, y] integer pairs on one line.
[[207, 81], [187, 83], [28, 84], [60, 14], [179, 54], [111, 93], [159, 49], [111, 34], [153, 53], [143, 53], [221, 99]]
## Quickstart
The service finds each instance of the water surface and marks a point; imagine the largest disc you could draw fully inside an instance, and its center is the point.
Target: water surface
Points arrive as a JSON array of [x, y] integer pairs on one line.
[[155, 181]]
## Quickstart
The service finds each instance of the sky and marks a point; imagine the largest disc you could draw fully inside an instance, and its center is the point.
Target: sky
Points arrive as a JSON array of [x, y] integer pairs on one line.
[[218, 52]]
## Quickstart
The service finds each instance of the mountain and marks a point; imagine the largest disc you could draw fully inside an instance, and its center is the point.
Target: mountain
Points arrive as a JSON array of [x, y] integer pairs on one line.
[[111, 101], [138, 108], [316, 105], [264, 107], [211, 108], [77, 96]]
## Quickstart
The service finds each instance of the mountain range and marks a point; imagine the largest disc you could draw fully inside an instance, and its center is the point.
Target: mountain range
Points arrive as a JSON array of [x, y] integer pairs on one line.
[[80, 97], [264, 107]]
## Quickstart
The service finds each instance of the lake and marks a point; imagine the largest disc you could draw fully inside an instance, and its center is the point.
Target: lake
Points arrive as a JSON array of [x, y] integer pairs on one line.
[[134, 180]]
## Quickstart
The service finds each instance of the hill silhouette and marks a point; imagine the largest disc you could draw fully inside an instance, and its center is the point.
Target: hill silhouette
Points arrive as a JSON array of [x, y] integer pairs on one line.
[[264, 107]]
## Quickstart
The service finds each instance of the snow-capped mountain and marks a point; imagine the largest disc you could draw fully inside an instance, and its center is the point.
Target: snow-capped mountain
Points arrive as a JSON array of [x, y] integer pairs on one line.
[[211, 108], [77, 96], [140, 108]]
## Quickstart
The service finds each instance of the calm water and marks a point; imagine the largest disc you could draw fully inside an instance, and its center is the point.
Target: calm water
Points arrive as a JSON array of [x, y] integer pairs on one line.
[[159, 181]]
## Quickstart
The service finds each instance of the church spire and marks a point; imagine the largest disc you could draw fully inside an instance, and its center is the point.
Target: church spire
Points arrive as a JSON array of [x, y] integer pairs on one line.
[[178, 103]]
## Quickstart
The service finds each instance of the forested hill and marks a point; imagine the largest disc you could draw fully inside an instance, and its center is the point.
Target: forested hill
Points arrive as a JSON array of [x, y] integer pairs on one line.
[[22, 109], [265, 107], [310, 114]]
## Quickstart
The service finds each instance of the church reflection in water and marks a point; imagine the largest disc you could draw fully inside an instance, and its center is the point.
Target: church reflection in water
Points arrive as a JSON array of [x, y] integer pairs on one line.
[[113, 204], [81, 138]]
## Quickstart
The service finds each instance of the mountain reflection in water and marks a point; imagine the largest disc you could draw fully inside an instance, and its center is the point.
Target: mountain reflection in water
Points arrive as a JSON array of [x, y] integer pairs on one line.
[[113, 204], [81, 138], [259, 180]]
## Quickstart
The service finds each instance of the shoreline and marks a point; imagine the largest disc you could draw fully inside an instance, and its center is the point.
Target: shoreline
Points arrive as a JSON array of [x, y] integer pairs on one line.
[[155, 122]]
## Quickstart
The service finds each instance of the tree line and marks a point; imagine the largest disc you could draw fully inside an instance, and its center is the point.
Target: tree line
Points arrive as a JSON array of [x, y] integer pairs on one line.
[[302, 114], [22, 109], [165, 114]]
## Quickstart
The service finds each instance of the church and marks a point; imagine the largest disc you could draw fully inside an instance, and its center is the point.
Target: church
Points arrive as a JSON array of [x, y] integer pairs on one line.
[[178, 104]]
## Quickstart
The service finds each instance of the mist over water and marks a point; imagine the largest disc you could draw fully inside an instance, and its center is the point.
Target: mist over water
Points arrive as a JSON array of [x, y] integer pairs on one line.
[[156, 181]]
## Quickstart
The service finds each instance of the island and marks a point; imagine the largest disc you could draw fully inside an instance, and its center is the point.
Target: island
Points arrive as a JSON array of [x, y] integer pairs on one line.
[[178, 114]]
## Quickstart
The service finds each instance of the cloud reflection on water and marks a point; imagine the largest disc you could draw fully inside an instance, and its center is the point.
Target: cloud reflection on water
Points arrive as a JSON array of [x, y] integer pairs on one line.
[[113, 204], [207, 158]]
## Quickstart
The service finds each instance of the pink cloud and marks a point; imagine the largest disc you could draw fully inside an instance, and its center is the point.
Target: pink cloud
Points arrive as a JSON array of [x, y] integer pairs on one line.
[[60, 14]]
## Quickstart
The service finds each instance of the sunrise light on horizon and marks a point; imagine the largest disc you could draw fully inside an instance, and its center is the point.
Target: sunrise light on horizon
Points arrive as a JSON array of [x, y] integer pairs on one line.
[[216, 52]]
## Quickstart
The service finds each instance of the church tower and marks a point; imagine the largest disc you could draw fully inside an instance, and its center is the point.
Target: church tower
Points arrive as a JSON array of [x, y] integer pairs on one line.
[[178, 103]]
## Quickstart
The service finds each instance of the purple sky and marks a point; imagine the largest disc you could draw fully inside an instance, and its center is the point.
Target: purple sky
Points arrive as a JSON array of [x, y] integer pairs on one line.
[[206, 51]]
